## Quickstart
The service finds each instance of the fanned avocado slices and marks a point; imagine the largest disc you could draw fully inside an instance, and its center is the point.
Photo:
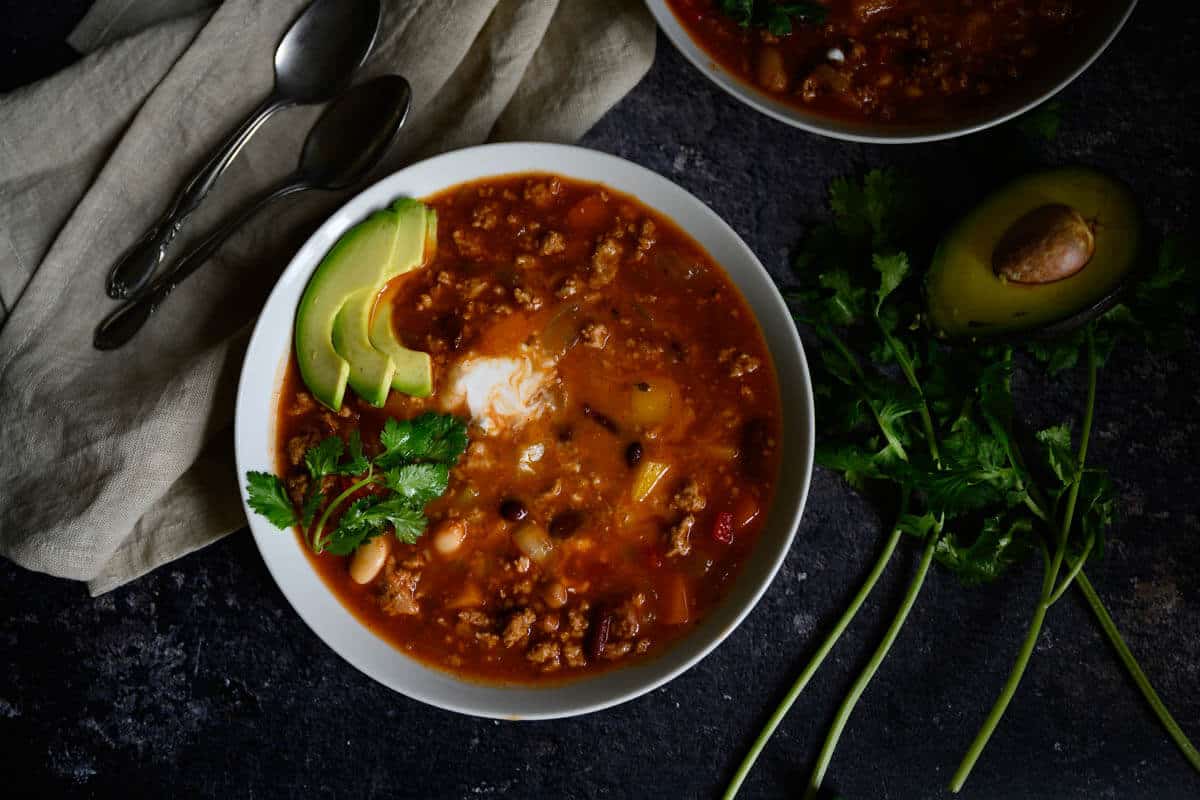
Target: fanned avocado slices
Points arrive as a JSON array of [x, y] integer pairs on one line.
[[336, 343]]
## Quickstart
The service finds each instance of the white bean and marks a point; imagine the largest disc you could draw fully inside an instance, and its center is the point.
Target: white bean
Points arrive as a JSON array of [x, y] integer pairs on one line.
[[449, 536], [368, 559]]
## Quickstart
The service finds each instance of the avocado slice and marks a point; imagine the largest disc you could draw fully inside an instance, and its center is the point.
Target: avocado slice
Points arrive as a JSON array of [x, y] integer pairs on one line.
[[1052, 248], [358, 260], [414, 370], [371, 369], [333, 320]]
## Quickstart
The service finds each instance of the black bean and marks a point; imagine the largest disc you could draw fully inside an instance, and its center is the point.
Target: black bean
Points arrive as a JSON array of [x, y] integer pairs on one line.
[[513, 510], [564, 523], [642, 386], [600, 419], [633, 454], [566, 434], [449, 328]]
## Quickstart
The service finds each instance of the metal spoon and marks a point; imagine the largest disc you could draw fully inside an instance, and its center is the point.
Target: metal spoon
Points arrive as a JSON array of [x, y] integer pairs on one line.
[[344, 145], [314, 61]]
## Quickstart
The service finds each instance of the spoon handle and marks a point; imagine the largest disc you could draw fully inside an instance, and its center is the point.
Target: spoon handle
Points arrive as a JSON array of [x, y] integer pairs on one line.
[[120, 326], [137, 265]]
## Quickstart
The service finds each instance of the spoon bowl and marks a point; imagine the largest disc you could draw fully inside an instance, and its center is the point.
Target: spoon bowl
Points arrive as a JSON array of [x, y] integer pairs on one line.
[[354, 132], [322, 49]]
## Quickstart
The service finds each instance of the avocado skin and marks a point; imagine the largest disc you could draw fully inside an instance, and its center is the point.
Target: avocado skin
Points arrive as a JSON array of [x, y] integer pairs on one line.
[[966, 300]]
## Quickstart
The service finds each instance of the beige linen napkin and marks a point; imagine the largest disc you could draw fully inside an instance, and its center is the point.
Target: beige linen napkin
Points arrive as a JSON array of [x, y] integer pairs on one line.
[[114, 463]]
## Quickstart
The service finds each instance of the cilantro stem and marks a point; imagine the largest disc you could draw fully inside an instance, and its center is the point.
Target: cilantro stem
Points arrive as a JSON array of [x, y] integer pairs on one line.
[[317, 543], [1009, 689], [818, 658], [1049, 579], [906, 367], [860, 684], [1076, 568], [1135, 671]]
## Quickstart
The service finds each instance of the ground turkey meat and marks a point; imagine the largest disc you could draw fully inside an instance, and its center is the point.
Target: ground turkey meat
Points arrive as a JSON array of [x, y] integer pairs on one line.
[[469, 243], [680, 536], [517, 630], [545, 654], [573, 653], [689, 499], [553, 243], [398, 590], [605, 260], [297, 446]]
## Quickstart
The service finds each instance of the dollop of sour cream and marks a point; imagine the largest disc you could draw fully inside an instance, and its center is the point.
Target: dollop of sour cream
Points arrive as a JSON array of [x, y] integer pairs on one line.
[[500, 392]]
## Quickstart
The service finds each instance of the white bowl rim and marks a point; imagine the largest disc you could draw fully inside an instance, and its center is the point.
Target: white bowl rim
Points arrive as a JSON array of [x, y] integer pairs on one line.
[[848, 131], [264, 363]]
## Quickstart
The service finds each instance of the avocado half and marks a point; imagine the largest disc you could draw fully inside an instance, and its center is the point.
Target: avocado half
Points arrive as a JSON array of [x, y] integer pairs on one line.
[[966, 295]]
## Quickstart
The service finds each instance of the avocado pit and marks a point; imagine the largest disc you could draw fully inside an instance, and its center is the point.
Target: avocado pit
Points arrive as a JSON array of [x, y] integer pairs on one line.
[[1050, 243]]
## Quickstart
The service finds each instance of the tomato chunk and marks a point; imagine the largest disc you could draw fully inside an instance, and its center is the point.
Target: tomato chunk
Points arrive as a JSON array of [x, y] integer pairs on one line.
[[722, 530]]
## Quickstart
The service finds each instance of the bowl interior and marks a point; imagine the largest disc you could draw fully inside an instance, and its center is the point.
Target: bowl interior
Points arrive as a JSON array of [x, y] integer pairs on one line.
[[1105, 19], [255, 434]]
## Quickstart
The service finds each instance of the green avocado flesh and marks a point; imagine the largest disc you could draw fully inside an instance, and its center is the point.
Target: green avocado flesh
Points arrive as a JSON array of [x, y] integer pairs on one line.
[[333, 322], [966, 298], [414, 370], [371, 369]]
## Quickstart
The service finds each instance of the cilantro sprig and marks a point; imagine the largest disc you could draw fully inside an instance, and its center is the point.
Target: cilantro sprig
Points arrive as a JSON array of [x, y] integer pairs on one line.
[[776, 17], [389, 491], [933, 429]]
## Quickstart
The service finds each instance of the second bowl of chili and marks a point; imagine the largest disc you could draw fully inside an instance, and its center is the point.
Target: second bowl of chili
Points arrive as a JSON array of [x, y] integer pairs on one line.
[[892, 71]]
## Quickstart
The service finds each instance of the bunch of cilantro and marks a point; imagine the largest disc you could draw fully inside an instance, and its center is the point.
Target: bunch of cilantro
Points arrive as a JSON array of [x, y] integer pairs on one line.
[[931, 430], [389, 491]]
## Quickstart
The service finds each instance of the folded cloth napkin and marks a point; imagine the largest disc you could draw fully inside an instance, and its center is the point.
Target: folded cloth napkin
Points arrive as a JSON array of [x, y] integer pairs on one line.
[[114, 463]]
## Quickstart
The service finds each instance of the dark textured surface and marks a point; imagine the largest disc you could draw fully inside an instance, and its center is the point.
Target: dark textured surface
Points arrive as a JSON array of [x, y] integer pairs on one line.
[[200, 680]]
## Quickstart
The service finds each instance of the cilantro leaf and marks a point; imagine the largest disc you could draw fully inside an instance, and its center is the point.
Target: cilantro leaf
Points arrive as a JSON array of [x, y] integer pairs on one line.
[[321, 459], [429, 437], [408, 523], [418, 483], [355, 527], [997, 547], [368, 517], [1060, 455], [775, 17], [357, 463], [892, 269], [268, 496]]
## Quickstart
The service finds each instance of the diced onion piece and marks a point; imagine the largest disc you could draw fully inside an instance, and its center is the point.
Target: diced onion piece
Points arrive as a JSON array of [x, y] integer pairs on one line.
[[532, 540], [650, 403], [674, 605], [649, 474]]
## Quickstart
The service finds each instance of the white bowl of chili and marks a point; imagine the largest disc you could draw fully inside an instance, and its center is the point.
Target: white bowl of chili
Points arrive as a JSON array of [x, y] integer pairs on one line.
[[880, 72], [356, 636]]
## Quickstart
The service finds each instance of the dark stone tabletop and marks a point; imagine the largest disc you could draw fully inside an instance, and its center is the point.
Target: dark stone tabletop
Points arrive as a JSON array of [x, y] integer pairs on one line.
[[199, 680]]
